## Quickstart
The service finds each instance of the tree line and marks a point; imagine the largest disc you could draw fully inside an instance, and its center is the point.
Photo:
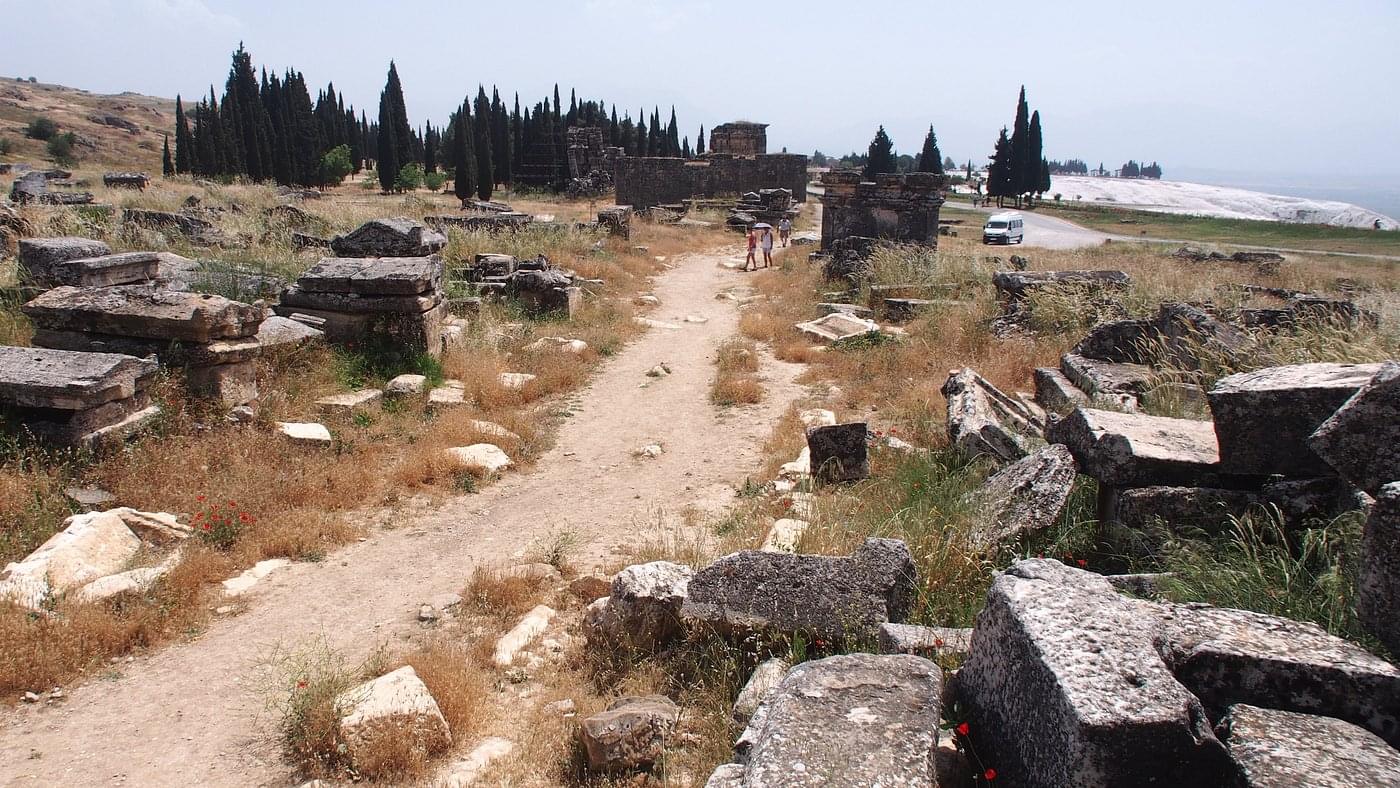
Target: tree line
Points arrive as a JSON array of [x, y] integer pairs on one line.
[[881, 157], [1130, 170], [271, 129], [1018, 167]]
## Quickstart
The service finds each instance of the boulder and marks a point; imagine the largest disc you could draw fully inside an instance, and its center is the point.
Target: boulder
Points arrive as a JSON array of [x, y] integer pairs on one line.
[[854, 719], [1131, 449], [69, 380], [1024, 498], [393, 712], [374, 276], [90, 546], [1361, 440], [984, 421], [145, 312], [836, 599], [1282, 748], [481, 458], [396, 237], [1263, 419], [38, 256], [1378, 583], [643, 611], [631, 734], [838, 452], [764, 678]]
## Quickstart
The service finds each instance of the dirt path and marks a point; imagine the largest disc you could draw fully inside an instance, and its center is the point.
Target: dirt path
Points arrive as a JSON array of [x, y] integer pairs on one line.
[[190, 713]]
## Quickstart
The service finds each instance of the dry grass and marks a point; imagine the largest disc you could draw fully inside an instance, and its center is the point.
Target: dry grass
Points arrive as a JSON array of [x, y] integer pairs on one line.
[[499, 595], [736, 379]]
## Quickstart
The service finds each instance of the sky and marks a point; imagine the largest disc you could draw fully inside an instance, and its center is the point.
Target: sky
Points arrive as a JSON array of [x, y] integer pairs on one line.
[[1282, 87]]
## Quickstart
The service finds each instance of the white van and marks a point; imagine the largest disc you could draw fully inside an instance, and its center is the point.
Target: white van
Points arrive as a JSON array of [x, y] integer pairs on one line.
[[1004, 228]]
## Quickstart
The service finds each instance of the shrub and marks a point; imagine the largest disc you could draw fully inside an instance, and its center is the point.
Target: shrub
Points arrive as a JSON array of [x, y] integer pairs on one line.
[[5, 146], [335, 165], [410, 177], [61, 149], [434, 180], [41, 128]]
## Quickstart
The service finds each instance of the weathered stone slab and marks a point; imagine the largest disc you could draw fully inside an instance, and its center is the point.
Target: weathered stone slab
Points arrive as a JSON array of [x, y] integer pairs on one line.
[[350, 401], [1115, 380], [631, 734], [1056, 393], [765, 677], [396, 237], [230, 384], [72, 427], [926, 642], [643, 611], [374, 276], [481, 458], [282, 332], [1024, 498], [828, 598], [1064, 687], [294, 296], [1279, 749], [854, 719], [784, 536], [90, 546], [423, 330], [107, 270], [395, 710], [1263, 419], [1378, 584], [838, 326], [837, 453], [1117, 340], [1361, 440], [192, 227], [1133, 450], [1193, 337], [306, 433], [984, 421], [1016, 285], [167, 352], [37, 256], [140, 311], [406, 385], [65, 380]]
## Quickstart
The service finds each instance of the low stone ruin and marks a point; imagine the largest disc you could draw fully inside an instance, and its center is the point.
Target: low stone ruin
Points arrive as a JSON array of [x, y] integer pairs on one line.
[[396, 301], [174, 225], [212, 338], [396, 237], [69, 398], [1015, 288], [901, 208], [616, 220], [538, 285], [38, 256], [479, 215], [770, 206], [645, 182], [126, 180], [33, 187]]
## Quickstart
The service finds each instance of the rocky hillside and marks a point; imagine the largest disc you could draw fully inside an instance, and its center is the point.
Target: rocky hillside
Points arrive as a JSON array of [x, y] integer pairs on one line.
[[123, 131]]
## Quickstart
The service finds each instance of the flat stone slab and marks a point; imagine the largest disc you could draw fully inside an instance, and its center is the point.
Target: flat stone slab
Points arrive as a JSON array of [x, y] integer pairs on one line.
[[298, 297], [1378, 586], [305, 433], [1134, 450], [406, 385], [838, 326], [90, 546], [37, 256], [396, 237], [1112, 379], [1282, 748], [1024, 498], [374, 276], [1056, 393], [1361, 440], [364, 399], [829, 598], [1263, 418], [146, 312], [854, 719], [107, 270], [68, 380], [167, 353], [244, 582]]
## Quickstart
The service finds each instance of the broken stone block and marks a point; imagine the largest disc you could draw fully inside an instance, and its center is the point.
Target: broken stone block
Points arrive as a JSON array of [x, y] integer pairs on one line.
[[817, 417], [132, 581], [1263, 418], [854, 719], [394, 711], [631, 734], [1016, 285], [396, 237], [1056, 393], [1193, 337], [305, 433], [230, 384], [465, 772], [764, 678], [144, 311], [1131, 449], [838, 452], [297, 298], [494, 430], [1024, 498], [1361, 440], [1064, 685], [530, 627], [107, 270], [1117, 340], [515, 381], [784, 536], [156, 528], [38, 256], [447, 395], [1378, 584], [405, 386], [560, 344], [250, 577], [927, 642], [826, 598], [1116, 381], [481, 458], [68, 380], [838, 326], [192, 228], [280, 332], [1282, 748], [90, 546], [984, 421], [643, 610], [349, 402], [374, 276]]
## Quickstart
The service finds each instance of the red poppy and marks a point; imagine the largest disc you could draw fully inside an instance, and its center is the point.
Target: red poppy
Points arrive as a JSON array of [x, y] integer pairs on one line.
[[199, 497], [243, 517], [990, 774], [1083, 563], [232, 505], [938, 642], [206, 526], [301, 685], [963, 728]]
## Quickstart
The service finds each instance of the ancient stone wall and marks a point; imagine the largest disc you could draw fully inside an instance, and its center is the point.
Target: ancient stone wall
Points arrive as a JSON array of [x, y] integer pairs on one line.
[[643, 182], [895, 207], [740, 138], [586, 151]]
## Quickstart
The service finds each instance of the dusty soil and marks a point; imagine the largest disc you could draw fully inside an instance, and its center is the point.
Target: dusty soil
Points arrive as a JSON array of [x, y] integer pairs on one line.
[[192, 714]]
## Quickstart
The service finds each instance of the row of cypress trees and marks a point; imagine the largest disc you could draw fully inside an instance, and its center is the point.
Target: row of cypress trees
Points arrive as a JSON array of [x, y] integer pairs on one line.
[[1018, 166], [881, 156], [272, 130]]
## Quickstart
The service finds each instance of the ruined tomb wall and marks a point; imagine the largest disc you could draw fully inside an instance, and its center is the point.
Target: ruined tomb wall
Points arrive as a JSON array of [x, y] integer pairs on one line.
[[883, 210], [739, 139], [647, 181]]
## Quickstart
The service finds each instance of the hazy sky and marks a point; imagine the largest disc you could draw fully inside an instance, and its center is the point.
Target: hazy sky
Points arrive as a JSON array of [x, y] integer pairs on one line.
[[1284, 86]]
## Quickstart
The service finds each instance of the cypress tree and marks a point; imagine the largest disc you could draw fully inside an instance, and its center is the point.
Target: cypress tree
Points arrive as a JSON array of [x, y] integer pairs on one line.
[[500, 139], [429, 149], [1020, 150], [685, 148], [403, 136], [880, 158], [184, 142], [614, 130], [1035, 157], [930, 159], [485, 180], [700, 142], [167, 166], [999, 173], [388, 159], [643, 139], [517, 130], [673, 134], [463, 155]]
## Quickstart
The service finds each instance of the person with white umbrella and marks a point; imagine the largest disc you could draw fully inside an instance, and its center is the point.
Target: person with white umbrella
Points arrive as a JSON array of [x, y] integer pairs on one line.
[[766, 240]]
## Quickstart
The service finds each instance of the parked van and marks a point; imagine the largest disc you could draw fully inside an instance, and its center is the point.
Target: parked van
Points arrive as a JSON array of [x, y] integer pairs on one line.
[[1004, 228]]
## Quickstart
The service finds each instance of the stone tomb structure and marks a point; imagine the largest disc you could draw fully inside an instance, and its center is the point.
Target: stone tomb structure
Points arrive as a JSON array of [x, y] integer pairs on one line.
[[69, 398], [739, 138], [738, 163], [214, 339], [394, 300], [901, 208]]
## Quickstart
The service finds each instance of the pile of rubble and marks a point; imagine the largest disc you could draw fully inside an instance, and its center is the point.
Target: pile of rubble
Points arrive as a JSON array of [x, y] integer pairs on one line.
[[765, 205]]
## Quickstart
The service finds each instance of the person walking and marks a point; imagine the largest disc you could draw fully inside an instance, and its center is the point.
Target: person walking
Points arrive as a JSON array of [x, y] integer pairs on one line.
[[785, 230], [753, 245], [767, 240]]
